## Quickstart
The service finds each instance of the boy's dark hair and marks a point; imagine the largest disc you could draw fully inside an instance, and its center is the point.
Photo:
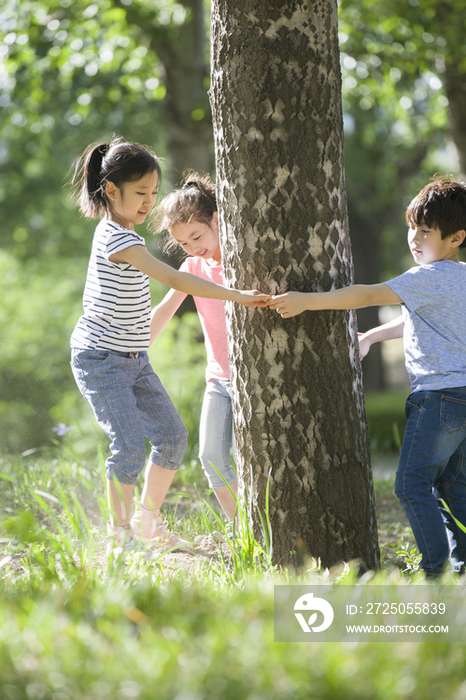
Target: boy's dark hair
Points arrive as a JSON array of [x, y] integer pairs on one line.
[[440, 204], [119, 161], [195, 200]]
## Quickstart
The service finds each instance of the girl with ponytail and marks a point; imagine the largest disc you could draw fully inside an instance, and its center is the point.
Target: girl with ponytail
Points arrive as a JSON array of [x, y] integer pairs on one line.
[[119, 181]]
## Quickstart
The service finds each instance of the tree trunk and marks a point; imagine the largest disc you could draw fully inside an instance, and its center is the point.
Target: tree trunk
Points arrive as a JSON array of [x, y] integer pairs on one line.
[[454, 80], [187, 122], [296, 384]]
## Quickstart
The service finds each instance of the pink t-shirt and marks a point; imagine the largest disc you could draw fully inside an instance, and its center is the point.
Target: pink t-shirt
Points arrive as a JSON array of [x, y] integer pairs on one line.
[[212, 317]]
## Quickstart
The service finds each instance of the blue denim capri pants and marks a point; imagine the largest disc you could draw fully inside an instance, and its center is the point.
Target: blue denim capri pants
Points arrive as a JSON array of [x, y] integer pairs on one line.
[[130, 404]]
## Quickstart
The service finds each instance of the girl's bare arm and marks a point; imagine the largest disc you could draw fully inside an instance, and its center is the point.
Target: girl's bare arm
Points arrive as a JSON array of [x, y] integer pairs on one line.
[[163, 312], [139, 257], [388, 331]]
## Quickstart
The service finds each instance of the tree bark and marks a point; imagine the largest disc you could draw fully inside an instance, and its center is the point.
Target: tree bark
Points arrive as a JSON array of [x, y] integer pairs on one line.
[[454, 80], [296, 384], [449, 21], [189, 135]]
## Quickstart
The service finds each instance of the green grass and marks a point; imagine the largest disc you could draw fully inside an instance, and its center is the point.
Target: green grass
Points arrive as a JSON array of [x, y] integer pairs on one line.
[[386, 419], [77, 626]]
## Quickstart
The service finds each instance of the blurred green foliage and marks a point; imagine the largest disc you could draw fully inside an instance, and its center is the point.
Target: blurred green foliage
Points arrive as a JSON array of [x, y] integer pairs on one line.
[[40, 304], [397, 134], [72, 72], [385, 412], [98, 640]]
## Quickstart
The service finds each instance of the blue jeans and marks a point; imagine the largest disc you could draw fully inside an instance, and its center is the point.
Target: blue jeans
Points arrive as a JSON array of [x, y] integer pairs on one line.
[[130, 404], [216, 433], [432, 466]]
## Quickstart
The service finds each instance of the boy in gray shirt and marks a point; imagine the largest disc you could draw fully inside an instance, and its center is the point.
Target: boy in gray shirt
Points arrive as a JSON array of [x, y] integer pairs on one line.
[[433, 326]]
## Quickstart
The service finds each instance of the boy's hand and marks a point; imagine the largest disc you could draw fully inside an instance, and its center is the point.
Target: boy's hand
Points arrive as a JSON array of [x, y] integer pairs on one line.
[[252, 297], [289, 304], [364, 345]]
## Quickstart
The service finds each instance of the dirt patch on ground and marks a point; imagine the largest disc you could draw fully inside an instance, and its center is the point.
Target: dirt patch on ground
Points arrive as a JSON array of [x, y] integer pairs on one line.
[[207, 553]]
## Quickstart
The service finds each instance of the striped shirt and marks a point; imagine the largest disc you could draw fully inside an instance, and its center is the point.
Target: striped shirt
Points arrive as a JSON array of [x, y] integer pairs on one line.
[[116, 297]]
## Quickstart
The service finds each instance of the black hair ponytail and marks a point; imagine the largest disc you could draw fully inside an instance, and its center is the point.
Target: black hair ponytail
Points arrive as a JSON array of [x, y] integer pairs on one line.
[[118, 162]]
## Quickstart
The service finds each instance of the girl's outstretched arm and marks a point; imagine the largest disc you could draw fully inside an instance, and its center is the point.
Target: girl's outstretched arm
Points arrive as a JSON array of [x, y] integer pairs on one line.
[[388, 331], [357, 296], [163, 312], [139, 257]]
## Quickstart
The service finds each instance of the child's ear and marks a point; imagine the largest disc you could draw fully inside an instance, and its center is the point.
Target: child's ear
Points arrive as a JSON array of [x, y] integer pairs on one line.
[[110, 190], [458, 238], [215, 219]]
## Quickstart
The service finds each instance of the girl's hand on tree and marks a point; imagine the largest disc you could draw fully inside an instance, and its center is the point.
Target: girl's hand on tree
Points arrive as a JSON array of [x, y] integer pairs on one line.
[[364, 345], [289, 304], [252, 297]]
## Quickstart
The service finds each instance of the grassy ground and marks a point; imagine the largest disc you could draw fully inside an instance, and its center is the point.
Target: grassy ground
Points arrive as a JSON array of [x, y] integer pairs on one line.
[[75, 625], [58, 498]]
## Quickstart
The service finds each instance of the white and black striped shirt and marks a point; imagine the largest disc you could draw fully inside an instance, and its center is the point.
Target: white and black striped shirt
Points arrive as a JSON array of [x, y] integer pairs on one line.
[[116, 297]]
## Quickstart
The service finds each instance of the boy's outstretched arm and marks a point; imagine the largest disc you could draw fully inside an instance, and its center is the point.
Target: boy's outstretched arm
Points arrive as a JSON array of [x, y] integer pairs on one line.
[[388, 331], [357, 296]]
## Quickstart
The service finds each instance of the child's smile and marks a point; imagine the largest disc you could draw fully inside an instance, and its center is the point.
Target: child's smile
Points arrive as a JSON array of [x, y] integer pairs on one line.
[[198, 238], [131, 203]]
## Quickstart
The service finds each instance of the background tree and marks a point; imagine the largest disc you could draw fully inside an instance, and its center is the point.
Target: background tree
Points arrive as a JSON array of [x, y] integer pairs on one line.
[[404, 87], [297, 395], [404, 54], [182, 51], [74, 71]]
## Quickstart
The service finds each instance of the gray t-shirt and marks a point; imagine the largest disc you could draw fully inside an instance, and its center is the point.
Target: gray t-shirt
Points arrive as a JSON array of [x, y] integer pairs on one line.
[[434, 311]]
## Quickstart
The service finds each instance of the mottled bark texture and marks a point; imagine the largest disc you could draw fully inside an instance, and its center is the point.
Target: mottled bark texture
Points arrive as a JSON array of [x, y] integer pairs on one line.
[[454, 80], [297, 394]]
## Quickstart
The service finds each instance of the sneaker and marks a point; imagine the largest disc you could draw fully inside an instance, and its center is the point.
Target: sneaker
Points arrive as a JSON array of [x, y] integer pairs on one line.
[[147, 526], [117, 540]]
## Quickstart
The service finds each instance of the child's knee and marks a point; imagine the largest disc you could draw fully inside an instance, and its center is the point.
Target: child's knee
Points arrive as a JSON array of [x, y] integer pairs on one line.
[[168, 452], [126, 464], [400, 490], [219, 472], [207, 457]]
